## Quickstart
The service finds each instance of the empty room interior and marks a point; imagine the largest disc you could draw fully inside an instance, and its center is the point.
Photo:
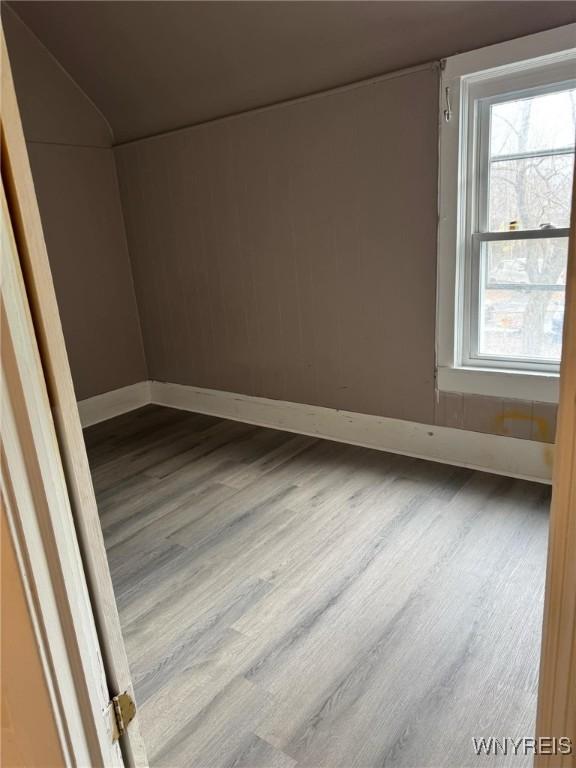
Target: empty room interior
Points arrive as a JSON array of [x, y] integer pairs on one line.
[[310, 261]]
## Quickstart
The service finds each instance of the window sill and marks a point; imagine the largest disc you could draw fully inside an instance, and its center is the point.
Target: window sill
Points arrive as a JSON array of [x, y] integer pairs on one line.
[[518, 385]]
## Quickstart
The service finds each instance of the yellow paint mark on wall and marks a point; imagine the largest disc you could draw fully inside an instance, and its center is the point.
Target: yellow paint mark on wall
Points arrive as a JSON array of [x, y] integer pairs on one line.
[[542, 431]]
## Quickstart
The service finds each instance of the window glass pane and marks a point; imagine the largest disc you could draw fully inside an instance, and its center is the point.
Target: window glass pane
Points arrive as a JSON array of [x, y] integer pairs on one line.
[[535, 192], [522, 298], [533, 124], [531, 161]]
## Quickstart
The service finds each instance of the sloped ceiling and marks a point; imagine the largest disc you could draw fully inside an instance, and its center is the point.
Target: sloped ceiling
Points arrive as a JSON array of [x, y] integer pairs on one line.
[[154, 66]]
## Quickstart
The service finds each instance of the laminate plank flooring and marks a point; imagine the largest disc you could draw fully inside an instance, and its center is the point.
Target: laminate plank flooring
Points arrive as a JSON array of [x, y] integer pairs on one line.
[[288, 601]]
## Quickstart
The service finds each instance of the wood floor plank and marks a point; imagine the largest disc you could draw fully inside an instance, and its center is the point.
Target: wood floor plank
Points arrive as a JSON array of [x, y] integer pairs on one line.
[[288, 601]]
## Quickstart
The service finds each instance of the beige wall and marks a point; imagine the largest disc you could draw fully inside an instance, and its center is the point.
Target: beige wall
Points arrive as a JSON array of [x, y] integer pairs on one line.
[[291, 253], [72, 162]]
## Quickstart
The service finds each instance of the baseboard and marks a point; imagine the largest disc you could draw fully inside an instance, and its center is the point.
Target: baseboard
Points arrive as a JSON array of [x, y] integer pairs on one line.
[[103, 407], [526, 459]]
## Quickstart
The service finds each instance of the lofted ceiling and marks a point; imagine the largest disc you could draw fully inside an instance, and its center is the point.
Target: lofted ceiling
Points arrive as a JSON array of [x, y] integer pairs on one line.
[[155, 66]]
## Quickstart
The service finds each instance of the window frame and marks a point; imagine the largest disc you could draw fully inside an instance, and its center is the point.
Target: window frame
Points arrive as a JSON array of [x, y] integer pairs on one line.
[[494, 73], [475, 155]]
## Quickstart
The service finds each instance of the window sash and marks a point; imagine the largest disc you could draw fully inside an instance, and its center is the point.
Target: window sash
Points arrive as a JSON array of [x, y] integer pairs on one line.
[[480, 143], [522, 234], [532, 153], [470, 353]]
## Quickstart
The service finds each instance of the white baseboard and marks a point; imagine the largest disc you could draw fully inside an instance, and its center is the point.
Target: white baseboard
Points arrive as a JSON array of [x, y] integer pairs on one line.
[[509, 456], [102, 407]]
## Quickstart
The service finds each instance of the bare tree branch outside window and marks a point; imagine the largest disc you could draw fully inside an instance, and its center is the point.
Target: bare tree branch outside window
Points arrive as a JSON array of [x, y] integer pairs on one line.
[[530, 182]]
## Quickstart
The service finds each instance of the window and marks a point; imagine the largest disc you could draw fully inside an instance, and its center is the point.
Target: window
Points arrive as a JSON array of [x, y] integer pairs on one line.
[[507, 162], [516, 236]]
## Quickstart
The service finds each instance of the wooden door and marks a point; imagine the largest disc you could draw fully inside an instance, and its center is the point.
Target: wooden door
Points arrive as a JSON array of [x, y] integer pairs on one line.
[[45, 329]]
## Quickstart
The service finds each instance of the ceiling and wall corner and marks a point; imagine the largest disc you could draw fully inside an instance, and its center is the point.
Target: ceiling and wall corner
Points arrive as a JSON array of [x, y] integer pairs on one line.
[[69, 146], [153, 67], [53, 107]]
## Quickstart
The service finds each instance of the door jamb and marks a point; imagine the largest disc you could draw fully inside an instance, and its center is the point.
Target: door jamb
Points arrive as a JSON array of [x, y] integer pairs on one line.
[[69, 442], [35, 495]]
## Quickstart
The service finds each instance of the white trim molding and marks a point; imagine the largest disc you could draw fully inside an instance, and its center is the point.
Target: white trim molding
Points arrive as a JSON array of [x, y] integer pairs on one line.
[[103, 407], [522, 49], [509, 456], [514, 385]]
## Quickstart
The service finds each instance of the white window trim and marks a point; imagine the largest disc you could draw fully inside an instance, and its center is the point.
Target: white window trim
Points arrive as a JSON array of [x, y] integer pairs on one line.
[[452, 376]]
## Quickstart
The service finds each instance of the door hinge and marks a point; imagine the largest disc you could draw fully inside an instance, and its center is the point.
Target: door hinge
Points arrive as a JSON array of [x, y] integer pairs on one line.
[[122, 710]]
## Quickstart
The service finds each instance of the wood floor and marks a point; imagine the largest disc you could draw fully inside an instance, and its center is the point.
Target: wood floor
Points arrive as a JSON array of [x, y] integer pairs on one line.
[[290, 601]]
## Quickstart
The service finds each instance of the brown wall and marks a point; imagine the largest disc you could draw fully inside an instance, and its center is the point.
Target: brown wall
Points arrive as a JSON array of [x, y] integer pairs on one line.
[[72, 162], [290, 253]]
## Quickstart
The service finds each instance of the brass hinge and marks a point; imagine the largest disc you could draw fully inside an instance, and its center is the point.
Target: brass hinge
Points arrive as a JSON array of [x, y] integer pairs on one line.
[[122, 710]]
